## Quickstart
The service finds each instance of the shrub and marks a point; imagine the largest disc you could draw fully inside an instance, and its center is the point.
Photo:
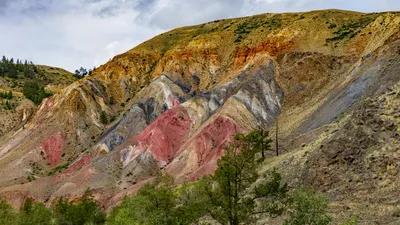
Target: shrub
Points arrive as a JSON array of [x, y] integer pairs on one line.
[[33, 213], [8, 105], [58, 169], [350, 30], [84, 210], [332, 26], [160, 203], [352, 221], [308, 208], [103, 117], [34, 92], [6, 95], [7, 213]]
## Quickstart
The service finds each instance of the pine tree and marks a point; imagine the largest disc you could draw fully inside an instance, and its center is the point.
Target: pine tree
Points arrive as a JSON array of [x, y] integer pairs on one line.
[[258, 140], [231, 200]]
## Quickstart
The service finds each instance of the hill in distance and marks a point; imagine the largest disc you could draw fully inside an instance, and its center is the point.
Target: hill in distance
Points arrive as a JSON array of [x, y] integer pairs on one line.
[[20, 85]]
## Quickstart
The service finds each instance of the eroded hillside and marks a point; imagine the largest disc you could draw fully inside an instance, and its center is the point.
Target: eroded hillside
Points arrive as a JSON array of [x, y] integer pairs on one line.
[[174, 101], [16, 109]]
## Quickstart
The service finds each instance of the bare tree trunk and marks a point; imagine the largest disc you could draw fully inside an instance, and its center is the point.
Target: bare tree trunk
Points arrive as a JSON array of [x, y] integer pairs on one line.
[[262, 145], [276, 139]]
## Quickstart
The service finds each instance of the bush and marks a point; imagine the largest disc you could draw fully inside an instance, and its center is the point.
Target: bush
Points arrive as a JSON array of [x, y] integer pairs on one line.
[[8, 105], [33, 213], [58, 169], [6, 95], [332, 26], [103, 117], [34, 92], [350, 30], [308, 208], [7, 214], [84, 210], [352, 221], [160, 203]]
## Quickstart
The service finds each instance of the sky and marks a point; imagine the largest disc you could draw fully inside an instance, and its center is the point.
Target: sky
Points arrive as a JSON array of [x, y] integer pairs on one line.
[[74, 33]]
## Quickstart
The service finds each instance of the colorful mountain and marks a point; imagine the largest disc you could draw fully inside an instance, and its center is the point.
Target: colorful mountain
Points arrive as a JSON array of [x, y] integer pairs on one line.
[[173, 102]]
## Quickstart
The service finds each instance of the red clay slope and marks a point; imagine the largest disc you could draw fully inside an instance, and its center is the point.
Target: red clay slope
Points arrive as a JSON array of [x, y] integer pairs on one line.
[[165, 136], [200, 154], [53, 147]]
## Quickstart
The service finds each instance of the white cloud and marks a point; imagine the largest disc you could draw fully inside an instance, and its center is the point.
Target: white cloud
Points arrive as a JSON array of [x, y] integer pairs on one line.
[[74, 33]]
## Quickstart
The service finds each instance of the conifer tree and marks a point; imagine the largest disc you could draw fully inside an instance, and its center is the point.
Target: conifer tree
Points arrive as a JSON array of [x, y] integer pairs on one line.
[[231, 200]]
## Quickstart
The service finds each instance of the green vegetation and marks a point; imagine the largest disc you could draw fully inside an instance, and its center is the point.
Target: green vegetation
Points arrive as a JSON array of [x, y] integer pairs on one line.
[[112, 101], [82, 72], [11, 68], [308, 208], [84, 210], [230, 196], [244, 28], [33, 213], [331, 26], [103, 117], [161, 202], [235, 194], [257, 140], [8, 105], [6, 95], [36, 93], [31, 78], [232, 200], [58, 169], [7, 213], [273, 23], [350, 30], [352, 221]]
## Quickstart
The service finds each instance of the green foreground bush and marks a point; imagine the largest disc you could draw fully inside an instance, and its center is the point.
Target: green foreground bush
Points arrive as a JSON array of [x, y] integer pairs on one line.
[[82, 211]]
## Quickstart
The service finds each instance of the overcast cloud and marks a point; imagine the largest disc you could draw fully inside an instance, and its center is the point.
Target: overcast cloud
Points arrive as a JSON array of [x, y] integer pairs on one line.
[[74, 33]]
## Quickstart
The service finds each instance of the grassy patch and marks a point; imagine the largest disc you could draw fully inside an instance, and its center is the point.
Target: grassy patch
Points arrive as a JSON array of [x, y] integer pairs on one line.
[[350, 30], [58, 169], [244, 28], [331, 26]]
